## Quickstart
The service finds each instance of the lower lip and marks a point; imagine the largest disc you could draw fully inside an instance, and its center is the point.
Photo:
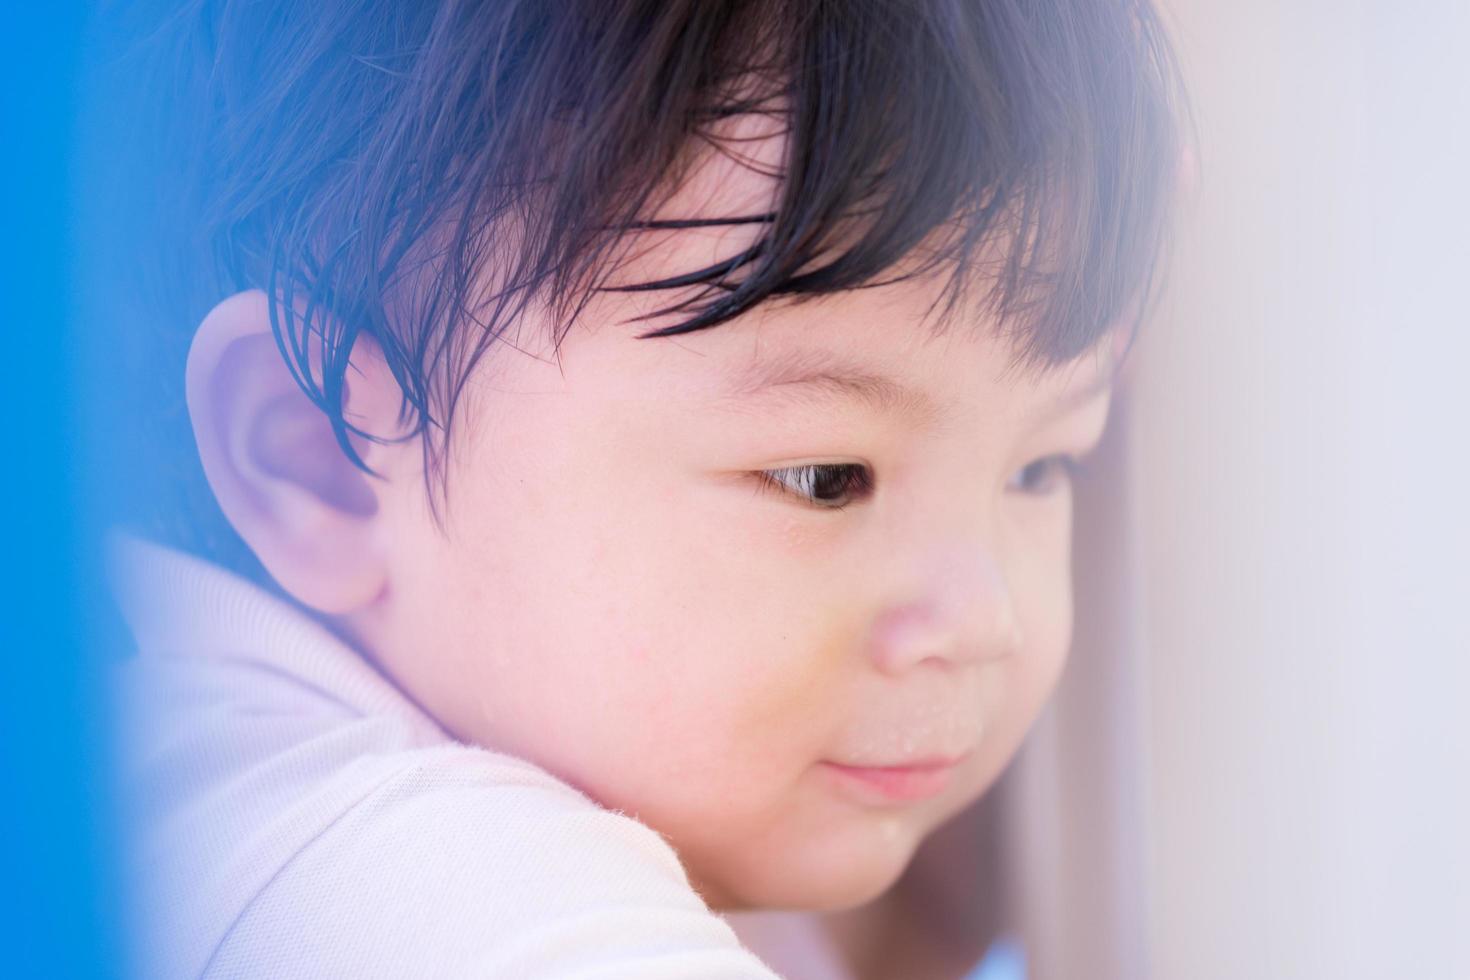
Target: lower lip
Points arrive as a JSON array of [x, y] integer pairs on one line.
[[894, 784]]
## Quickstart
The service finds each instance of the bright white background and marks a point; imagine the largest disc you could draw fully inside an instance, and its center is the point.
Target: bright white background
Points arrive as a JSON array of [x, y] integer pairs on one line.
[[1258, 767]]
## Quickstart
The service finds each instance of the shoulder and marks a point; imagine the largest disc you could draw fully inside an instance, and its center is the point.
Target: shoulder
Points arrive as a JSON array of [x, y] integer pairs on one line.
[[341, 855], [463, 862]]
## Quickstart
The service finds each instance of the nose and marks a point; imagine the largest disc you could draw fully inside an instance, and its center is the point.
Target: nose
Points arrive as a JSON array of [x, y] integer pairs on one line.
[[964, 614]]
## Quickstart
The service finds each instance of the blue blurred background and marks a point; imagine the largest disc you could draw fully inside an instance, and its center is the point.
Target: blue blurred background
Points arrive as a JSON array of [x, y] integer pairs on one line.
[[58, 888]]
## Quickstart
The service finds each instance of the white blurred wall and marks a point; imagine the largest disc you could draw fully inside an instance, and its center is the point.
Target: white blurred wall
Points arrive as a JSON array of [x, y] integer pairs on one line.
[[1258, 767]]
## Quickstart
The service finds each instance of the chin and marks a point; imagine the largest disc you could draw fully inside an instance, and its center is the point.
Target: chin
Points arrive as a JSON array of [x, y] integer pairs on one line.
[[808, 885]]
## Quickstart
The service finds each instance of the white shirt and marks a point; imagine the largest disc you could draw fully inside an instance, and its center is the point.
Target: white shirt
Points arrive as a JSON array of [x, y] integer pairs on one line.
[[293, 814]]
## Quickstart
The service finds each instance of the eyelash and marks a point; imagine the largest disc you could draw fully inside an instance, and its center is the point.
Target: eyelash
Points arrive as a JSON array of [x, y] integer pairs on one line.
[[863, 481], [859, 480]]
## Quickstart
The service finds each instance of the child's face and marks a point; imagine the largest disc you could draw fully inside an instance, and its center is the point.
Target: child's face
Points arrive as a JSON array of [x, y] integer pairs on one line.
[[615, 599]]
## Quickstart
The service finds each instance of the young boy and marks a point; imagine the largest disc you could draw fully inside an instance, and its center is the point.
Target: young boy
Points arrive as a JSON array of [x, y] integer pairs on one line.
[[653, 425]]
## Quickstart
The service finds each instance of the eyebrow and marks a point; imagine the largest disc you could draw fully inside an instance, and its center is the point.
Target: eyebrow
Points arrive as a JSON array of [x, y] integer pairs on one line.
[[804, 374], [823, 374]]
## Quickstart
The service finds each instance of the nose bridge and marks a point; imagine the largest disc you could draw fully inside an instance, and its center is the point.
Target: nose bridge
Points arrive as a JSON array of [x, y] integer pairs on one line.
[[958, 606]]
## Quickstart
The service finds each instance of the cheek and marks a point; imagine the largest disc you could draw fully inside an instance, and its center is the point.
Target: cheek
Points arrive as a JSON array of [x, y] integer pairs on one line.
[[1046, 623], [1040, 583], [633, 645], [1040, 577], [701, 724]]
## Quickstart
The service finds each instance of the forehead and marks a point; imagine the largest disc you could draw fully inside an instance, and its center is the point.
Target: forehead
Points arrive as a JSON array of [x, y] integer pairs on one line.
[[883, 347], [878, 350], [871, 351], [806, 375]]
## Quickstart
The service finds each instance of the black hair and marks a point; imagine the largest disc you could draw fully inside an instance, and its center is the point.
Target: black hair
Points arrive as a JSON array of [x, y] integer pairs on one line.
[[360, 160]]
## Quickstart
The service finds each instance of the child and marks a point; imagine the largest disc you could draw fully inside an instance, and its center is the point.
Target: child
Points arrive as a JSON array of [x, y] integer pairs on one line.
[[641, 436]]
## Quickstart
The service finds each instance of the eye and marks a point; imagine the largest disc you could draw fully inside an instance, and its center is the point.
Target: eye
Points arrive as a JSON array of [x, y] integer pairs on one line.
[[1045, 476], [827, 485]]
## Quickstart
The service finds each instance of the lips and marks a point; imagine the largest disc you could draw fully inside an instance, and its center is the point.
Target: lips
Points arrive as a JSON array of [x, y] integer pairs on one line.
[[907, 783]]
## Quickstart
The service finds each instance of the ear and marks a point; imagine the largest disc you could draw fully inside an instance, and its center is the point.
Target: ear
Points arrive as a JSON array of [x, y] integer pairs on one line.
[[273, 461]]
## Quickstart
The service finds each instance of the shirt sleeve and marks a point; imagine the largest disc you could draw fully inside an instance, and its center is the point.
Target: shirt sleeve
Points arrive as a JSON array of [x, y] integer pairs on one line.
[[466, 864]]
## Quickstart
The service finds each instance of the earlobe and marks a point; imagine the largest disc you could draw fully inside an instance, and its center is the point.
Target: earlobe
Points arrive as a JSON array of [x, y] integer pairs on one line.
[[273, 461]]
